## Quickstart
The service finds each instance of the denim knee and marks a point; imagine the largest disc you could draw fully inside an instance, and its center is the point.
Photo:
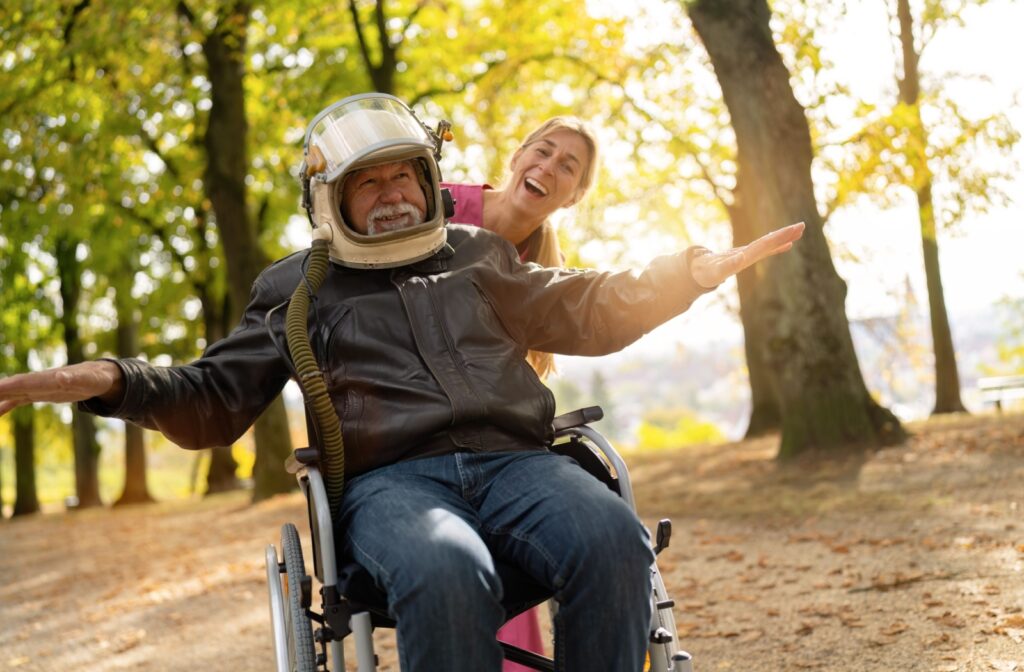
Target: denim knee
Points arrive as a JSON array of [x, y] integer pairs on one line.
[[619, 545], [451, 577]]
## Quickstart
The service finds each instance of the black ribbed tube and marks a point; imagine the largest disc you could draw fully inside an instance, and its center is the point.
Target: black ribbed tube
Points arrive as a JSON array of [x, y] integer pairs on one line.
[[311, 378]]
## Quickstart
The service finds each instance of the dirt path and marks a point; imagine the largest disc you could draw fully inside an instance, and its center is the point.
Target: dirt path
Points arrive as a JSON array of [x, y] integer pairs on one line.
[[910, 560]]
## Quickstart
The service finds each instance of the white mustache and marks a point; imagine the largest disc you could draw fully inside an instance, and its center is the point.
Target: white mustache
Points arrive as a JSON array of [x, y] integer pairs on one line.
[[386, 218]]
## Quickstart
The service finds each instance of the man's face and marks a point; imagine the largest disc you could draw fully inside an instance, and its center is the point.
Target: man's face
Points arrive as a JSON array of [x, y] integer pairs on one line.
[[383, 198]]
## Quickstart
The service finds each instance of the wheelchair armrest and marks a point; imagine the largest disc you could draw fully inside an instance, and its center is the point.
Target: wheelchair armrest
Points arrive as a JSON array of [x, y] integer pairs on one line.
[[577, 418], [597, 445], [301, 457]]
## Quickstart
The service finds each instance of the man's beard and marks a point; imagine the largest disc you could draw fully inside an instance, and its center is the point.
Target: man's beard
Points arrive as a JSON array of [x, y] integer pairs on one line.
[[385, 218]]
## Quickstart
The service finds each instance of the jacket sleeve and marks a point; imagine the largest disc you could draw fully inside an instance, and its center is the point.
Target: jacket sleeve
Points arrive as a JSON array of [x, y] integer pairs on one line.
[[586, 312], [212, 401]]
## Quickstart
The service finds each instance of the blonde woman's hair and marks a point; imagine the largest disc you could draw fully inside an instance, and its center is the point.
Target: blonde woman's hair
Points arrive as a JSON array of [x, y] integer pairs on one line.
[[542, 245]]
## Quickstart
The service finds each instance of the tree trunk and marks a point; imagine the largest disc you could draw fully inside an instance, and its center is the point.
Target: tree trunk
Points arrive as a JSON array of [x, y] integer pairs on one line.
[[226, 170], [764, 407], [268, 473], [221, 476], [25, 499], [86, 449], [947, 379], [135, 490], [798, 299]]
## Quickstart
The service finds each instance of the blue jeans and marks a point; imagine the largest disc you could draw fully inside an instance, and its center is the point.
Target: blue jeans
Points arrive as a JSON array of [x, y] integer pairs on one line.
[[429, 531]]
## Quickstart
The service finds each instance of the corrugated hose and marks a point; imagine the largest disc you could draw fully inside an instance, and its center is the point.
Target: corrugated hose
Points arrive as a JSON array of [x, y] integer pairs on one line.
[[311, 378]]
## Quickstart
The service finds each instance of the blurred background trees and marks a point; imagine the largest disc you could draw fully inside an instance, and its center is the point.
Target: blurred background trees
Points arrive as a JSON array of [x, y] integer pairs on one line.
[[149, 154]]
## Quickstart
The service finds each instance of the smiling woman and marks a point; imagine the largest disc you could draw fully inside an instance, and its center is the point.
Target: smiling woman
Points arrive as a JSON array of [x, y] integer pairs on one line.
[[552, 169]]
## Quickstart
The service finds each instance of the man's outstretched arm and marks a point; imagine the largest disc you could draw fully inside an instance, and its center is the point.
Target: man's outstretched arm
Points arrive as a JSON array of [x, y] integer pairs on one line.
[[76, 382], [586, 312]]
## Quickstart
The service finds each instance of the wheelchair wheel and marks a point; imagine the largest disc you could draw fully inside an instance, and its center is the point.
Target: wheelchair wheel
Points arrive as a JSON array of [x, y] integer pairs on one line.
[[298, 629]]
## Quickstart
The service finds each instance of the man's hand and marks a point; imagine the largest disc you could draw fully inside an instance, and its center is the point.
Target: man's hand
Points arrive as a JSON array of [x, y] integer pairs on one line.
[[710, 270], [77, 382]]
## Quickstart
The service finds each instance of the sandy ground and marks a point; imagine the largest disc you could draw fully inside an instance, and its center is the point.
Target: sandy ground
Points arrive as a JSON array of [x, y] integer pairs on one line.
[[909, 559]]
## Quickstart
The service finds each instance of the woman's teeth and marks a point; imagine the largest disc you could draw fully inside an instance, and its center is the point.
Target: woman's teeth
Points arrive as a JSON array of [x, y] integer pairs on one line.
[[535, 186]]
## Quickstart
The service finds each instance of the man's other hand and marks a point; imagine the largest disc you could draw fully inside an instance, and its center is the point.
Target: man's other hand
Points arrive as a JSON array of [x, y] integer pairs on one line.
[[77, 382]]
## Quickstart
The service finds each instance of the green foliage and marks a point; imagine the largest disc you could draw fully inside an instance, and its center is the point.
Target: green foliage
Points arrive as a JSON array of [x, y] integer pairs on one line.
[[568, 395], [104, 137], [929, 140]]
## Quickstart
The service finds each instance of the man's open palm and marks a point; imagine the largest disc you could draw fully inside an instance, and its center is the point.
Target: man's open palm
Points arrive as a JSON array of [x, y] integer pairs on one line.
[[710, 270]]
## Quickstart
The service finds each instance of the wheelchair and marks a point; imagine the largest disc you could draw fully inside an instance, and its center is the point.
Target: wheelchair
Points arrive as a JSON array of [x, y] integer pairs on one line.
[[307, 640]]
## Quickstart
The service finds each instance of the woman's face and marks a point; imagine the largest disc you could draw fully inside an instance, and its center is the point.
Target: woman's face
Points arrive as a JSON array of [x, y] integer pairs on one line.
[[546, 174]]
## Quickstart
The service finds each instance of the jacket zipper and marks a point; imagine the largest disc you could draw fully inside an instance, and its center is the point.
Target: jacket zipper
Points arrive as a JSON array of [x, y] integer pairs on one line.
[[419, 346], [450, 344]]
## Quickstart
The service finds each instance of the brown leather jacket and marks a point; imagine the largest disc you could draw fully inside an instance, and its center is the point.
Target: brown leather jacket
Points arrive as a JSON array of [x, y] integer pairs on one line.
[[423, 359]]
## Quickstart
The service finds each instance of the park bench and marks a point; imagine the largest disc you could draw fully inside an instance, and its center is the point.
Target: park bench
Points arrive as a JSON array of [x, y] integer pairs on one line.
[[997, 389]]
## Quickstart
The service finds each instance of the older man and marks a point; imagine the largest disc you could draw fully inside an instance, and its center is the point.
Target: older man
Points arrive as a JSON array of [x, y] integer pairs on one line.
[[421, 332]]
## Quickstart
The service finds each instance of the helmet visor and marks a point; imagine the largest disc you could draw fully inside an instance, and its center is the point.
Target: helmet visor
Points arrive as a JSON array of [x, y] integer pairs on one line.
[[361, 126]]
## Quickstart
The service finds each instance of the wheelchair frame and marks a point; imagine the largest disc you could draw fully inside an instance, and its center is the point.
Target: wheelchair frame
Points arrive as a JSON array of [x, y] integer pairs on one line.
[[290, 589]]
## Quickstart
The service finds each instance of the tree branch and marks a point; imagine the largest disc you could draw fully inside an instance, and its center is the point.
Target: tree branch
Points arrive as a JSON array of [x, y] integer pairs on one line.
[[69, 28], [363, 48], [186, 13]]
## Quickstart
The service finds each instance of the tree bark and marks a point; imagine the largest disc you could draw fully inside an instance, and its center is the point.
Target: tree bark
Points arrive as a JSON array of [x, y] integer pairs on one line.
[[26, 500], [798, 298], [221, 476], [382, 73], [86, 449], [765, 416], [268, 473], [947, 378], [136, 490], [227, 166]]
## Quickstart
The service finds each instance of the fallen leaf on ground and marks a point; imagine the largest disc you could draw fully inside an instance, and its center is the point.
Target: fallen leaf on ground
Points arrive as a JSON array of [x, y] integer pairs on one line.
[[896, 628], [1003, 665], [1016, 634], [851, 621], [948, 619], [751, 636], [1014, 621]]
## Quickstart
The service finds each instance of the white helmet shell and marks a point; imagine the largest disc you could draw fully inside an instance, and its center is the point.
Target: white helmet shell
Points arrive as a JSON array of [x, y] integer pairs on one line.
[[359, 132]]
